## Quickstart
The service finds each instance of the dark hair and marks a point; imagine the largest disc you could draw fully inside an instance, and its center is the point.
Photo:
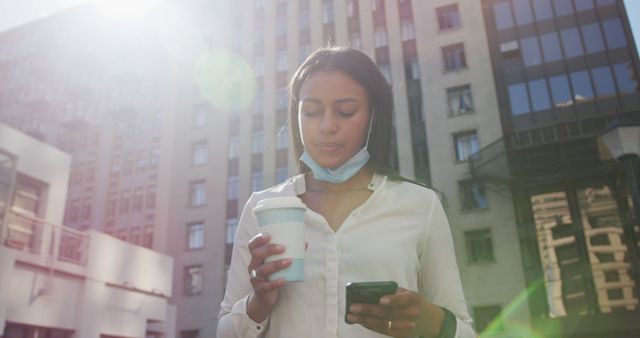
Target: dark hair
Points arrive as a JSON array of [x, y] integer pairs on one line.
[[361, 69]]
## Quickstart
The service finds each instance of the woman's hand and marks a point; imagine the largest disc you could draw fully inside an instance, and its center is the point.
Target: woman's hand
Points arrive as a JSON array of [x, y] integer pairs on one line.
[[265, 292], [403, 314]]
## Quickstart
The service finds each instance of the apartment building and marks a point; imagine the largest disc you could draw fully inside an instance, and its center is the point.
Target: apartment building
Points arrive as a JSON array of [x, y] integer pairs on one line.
[[61, 282]]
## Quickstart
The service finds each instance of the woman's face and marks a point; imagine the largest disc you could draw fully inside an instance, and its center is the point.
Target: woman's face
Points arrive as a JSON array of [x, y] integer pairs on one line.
[[333, 117]]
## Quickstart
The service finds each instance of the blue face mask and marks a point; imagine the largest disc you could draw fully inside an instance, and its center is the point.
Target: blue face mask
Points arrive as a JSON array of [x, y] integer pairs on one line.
[[345, 171]]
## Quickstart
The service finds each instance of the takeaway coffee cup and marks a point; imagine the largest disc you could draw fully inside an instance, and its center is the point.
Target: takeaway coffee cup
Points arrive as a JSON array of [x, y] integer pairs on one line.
[[283, 219]]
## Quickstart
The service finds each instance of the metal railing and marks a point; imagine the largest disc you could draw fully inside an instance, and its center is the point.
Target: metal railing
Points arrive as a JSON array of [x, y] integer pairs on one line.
[[37, 236]]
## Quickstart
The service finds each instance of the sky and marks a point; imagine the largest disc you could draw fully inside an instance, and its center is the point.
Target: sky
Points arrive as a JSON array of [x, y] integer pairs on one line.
[[16, 12]]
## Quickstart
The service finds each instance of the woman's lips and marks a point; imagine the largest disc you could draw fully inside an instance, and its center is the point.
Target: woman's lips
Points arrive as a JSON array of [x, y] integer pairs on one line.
[[329, 147]]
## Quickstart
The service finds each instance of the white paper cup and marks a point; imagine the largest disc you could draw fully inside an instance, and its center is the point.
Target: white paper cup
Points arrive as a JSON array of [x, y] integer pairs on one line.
[[283, 219]]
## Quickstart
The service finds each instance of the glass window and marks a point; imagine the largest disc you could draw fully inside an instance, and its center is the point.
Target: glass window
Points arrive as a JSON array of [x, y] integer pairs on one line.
[[258, 66], [448, 17], [327, 12], [380, 37], [602, 3], [199, 153], [256, 143], [232, 228], [195, 235], [282, 138], [571, 42], [454, 57], [484, 315], [460, 101], [519, 99], [197, 194], [304, 20], [232, 188], [551, 47], [257, 183], [282, 61], [614, 33], [583, 5], [582, 91], [472, 195], [542, 9], [531, 51], [408, 30], [502, 13], [560, 91], [625, 78], [539, 95], [593, 41], [200, 116], [522, 10], [511, 55], [479, 246], [603, 81], [563, 7], [281, 25], [467, 144], [234, 143], [281, 174], [193, 280]]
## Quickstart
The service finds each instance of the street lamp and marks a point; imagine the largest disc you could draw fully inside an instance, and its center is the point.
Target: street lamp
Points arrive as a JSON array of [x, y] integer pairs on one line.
[[622, 140]]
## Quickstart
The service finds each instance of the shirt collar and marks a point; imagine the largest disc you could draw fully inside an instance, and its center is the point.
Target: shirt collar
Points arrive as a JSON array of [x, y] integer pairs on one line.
[[297, 183]]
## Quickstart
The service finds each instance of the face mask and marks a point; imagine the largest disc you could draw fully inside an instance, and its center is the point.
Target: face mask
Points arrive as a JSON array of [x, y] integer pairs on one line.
[[345, 171]]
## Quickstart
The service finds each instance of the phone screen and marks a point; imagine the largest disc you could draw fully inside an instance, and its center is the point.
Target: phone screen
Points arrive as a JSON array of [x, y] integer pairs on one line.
[[367, 293]]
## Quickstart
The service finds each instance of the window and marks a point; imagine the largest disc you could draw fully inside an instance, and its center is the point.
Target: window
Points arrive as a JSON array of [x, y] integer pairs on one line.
[[479, 246], [147, 237], [282, 61], [281, 174], [542, 9], [197, 194], [143, 158], [232, 226], [195, 235], [522, 10], [137, 200], [460, 101], [603, 81], [511, 56], [258, 104], [551, 47], [472, 195], [232, 188], [234, 143], [531, 51], [466, 144], [281, 98], [448, 17], [124, 202], [111, 207], [602, 3], [583, 5], [484, 315], [408, 31], [155, 157], [385, 69], [281, 25], [380, 37], [151, 197], [502, 14], [196, 333], [327, 12], [519, 99], [257, 181], [414, 69], [135, 235], [454, 57], [625, 78], [560, 91], [581, 83], [350, 8], [200, 116], [563, 7], [199, 153], [571, 42], [282, 138], [257, 143], [304, 52], [614, 33], [595, 42], [539, 95], [304, 20], [193, 280]]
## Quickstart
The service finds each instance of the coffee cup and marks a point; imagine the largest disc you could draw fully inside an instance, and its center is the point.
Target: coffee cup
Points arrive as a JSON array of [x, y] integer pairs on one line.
[[283, 219]]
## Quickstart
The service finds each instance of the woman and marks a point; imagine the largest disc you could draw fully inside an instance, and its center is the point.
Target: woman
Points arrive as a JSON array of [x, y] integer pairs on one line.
[[364, 223]]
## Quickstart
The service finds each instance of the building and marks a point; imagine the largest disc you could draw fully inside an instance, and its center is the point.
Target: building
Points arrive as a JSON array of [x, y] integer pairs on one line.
[[79, 283]]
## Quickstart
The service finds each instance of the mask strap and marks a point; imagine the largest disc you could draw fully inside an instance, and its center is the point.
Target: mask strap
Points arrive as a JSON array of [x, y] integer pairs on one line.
[[370, 124]]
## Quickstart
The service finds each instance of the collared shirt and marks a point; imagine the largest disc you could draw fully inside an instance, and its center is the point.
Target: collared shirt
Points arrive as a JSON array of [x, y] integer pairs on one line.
[[400, 233]]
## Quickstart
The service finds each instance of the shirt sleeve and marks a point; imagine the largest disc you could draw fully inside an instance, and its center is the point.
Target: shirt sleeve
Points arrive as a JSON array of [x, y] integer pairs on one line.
[[233, 320], [439, 279]]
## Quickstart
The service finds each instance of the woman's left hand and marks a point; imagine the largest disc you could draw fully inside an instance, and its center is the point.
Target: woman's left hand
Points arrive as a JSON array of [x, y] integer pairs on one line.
[[403, 314]]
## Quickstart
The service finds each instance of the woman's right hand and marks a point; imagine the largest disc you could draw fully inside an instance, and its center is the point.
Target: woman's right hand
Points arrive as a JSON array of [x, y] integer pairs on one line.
[[265, 292]]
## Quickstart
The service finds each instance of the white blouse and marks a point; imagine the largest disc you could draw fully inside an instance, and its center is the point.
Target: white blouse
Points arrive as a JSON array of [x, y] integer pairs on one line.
[[400, 233]]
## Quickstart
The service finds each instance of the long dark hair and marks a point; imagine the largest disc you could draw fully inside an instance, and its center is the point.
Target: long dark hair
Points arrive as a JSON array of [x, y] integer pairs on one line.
[[361, 69]]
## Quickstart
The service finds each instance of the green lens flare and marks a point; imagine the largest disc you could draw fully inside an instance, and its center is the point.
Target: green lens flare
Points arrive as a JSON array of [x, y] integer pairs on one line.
[[225, 79]]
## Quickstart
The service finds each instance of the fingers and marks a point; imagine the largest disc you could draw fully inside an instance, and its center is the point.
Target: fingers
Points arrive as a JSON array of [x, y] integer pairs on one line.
[[401, 299], [265, 270], [260, 249], [397, 328]]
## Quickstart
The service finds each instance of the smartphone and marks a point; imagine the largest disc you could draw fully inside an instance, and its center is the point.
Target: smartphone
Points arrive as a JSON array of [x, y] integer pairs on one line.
[[367, 293]]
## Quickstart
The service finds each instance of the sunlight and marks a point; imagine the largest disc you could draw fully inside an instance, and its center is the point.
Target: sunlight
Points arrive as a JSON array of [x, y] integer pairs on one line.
[[124, 9]]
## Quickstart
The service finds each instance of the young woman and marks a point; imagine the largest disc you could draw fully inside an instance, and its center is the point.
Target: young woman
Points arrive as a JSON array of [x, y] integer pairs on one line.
[[364, 223]]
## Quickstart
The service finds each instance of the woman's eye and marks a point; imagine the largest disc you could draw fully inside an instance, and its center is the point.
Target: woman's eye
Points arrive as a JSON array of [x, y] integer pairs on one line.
[[309, 113], [345, 113]]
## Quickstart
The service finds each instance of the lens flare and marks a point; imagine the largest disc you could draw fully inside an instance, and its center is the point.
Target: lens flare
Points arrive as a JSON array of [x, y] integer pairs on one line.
[[225, 79]]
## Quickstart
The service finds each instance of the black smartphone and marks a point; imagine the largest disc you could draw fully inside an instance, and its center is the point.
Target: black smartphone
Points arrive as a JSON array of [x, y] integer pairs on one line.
[[367, 293]]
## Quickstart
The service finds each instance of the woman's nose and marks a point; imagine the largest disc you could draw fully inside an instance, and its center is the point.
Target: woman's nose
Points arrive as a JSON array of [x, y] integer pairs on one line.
[[329, 122]]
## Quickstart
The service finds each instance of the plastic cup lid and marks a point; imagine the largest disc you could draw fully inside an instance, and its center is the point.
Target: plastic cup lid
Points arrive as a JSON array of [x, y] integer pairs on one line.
[[278, 203]]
